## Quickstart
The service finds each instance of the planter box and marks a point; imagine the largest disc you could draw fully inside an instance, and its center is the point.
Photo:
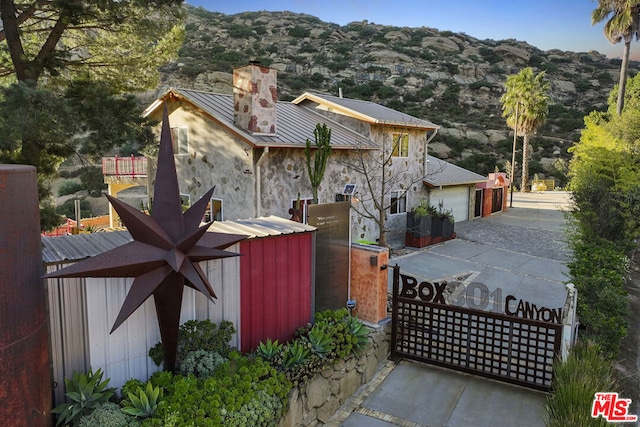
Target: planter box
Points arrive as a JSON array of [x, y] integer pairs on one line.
[[436, 227], [418, 226], [447, 229]]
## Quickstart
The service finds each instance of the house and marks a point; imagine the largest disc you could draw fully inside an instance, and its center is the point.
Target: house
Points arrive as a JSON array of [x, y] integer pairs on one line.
[[452, 187], [251, 147]]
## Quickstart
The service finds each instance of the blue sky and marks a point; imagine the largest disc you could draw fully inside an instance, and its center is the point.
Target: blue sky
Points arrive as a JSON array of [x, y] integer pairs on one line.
[[546, 24]]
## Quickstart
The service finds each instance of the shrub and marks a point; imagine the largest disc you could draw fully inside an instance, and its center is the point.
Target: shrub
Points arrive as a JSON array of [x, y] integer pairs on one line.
[[201, 363], [107, 414], [243, 391], [85, 393], [598, 270], [576, 380], [92, 180], [299, 32], [130, 387], [69, 187], [68, 209], [198, 335]]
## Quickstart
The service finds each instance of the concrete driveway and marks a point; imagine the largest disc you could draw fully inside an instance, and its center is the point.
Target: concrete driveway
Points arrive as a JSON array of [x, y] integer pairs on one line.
[[521, 252]]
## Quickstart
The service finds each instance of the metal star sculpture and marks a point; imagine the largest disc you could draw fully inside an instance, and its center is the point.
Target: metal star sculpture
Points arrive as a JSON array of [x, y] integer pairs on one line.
[[163, 256]]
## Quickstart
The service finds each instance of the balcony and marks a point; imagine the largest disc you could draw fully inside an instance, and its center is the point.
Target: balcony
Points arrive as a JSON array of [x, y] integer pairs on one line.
[[124, 167]]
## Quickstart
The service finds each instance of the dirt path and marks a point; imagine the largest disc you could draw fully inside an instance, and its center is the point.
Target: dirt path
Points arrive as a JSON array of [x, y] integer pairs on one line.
[[628, 364]]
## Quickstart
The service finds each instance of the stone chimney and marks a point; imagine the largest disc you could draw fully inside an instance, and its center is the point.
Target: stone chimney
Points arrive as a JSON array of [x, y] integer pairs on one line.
[[254, 98]]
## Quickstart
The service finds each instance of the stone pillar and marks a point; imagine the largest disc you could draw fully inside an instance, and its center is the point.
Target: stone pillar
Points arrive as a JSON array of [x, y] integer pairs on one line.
[[25, 377]]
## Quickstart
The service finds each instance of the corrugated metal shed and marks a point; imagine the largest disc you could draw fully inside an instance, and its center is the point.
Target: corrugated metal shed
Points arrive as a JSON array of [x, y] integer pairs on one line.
[[72, 248], [376, 113], [443, 174], [295, 124]]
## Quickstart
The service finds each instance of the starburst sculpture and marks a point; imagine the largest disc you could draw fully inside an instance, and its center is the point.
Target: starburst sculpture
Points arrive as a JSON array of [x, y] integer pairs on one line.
[[164, 254]]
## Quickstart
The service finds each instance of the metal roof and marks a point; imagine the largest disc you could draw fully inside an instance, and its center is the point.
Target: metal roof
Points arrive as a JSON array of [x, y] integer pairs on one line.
[[294, 124], [369, 111], [71, 248], [75, 247], [261, 227], [443, 174]]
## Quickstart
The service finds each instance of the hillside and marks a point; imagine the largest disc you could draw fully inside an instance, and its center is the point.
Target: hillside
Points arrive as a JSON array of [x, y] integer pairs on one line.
[[452, 79]]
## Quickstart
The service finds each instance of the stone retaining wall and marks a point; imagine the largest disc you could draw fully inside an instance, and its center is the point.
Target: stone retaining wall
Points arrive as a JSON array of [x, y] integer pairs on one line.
[[314, 403]]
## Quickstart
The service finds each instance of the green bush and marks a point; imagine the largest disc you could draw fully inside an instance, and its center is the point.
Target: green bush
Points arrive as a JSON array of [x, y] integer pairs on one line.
[[598, 269], [201, 363], [299, 32], [575, 382], [107, 414], [243, 391], [92, 180], [68, 209], [69, 187], [198, 335]]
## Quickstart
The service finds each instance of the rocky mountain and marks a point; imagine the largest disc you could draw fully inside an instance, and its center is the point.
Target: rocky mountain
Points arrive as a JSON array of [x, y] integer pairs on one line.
[[452, 79]]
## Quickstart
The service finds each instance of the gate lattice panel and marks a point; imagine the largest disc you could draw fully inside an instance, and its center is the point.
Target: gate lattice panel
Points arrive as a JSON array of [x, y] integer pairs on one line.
[[495, 345]]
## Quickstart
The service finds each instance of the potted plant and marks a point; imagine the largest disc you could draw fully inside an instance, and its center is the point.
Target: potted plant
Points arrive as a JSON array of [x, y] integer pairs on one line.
[[419, 220], [418, 231]]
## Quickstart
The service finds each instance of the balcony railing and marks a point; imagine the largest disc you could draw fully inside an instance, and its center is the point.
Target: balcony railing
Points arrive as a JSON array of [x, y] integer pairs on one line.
[[131, 167]]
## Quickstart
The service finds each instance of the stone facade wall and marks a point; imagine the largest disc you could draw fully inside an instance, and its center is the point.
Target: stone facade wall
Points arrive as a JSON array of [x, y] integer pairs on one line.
[[314, 403]]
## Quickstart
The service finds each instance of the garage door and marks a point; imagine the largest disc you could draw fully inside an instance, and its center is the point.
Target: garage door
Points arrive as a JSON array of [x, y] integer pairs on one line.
[[454, 198]]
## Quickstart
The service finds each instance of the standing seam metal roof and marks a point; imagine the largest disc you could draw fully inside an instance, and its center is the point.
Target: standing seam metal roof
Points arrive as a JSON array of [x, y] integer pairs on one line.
[[441, 173], [379, 113], [294, 124]]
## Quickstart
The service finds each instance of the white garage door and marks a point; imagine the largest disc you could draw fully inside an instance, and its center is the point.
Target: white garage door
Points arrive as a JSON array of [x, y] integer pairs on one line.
[[454, 198]]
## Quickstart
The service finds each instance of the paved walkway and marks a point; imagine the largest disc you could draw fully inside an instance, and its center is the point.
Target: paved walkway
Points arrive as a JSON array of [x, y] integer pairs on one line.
[[522, 252]]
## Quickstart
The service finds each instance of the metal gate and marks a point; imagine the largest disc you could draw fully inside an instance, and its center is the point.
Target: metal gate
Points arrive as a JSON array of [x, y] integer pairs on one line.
[[499, 346]]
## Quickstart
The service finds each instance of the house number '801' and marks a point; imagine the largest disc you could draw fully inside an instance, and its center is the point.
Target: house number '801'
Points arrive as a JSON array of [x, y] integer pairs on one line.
[[433, 292]]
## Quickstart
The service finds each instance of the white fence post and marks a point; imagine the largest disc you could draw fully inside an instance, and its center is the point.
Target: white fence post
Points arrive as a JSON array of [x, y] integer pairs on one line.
[[569, 320]]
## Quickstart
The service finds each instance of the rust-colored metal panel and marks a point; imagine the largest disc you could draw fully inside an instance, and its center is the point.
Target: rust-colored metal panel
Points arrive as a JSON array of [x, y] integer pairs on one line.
[[276, 276], [25, 381]]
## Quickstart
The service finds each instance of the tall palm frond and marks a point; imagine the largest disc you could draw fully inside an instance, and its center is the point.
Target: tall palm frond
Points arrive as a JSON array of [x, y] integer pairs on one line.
[[526, 100], [621, 22]]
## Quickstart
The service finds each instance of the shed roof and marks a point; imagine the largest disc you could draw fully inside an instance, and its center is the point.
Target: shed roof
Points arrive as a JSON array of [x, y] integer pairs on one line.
[[367, 111], [71, 248], [444, 174], [294, 124]]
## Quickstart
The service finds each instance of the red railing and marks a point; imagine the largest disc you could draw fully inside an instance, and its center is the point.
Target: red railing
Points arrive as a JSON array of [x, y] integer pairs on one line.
[[125, 166]]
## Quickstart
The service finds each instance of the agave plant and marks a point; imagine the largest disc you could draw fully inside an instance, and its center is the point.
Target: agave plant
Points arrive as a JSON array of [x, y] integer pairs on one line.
[[143, 403], [269, 350], [295, 354], [85, 393], [320, 341], [359, 333]]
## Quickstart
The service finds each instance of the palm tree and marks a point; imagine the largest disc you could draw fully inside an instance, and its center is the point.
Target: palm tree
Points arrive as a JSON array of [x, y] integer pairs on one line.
[[525, 104], [622, 23]]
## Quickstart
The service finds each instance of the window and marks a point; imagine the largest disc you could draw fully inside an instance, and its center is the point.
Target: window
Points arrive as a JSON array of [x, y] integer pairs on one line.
[[400, 145], [214, 210], [180, 136], [398, 202], [304, 215]]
